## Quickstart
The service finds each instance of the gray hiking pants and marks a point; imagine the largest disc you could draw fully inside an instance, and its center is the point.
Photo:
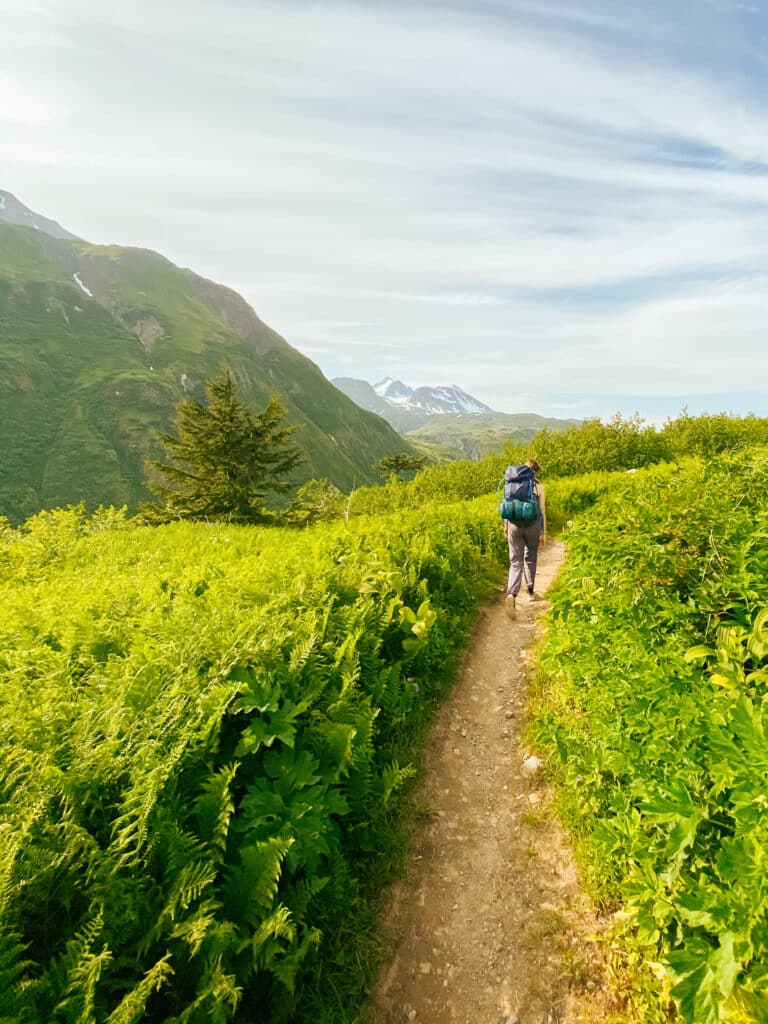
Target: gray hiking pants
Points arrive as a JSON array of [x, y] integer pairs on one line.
[[523, 550]]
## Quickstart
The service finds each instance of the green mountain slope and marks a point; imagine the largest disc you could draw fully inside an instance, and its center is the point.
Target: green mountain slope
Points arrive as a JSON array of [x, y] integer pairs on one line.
[[473, 436], [97, 346]]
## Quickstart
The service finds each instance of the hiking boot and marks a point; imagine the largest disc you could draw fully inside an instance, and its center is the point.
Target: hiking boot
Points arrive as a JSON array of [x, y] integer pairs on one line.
[[533, 596], [510, 606]]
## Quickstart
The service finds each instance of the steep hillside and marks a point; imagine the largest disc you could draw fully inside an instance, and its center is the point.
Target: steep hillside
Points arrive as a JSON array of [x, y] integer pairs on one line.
[[97, 346], [14, 212]]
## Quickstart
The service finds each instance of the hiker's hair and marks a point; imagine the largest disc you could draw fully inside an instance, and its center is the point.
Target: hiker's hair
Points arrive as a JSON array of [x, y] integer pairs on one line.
[[534, 465]]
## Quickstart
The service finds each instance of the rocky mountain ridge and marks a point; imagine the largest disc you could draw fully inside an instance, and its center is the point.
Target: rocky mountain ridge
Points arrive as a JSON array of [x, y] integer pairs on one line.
[[440, 400], [407, 408], [12, 211]]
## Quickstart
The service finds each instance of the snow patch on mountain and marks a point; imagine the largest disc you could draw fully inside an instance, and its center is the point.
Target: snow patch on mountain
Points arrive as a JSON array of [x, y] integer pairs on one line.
[[393, 390], [83, 287], [434, 401]]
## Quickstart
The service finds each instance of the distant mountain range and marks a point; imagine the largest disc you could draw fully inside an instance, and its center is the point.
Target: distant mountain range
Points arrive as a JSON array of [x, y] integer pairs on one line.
[[99, 343], [408, 408], [445, 421], [437, 401]]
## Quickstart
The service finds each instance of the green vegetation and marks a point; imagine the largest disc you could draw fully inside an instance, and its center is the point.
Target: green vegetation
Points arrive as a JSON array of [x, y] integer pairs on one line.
[[590, 449], [398, 465], [204, 729], [227, 461], [466, 436], [86, 382], [435, 452], [316, 501], [654, 716]]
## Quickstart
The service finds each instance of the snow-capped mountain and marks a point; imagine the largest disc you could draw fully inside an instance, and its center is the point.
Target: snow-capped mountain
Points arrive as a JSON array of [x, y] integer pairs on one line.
[[446, 418], [409, 408], [434, 401], [15, 212], [392, 390]]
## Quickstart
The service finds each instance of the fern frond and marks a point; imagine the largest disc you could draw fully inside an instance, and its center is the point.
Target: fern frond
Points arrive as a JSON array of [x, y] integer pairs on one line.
[[190, 883], [392, 778], [131, 1007], [251, 887], [335, 748], [214, 808], [301, 652], [285, 968], [195, 929], [84, 971], [131, 828], [217, 998], [12, 966], [304, 891], [279, 925]]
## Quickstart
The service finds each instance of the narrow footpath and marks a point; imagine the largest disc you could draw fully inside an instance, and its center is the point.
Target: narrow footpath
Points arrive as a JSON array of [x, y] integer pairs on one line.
[[490, 925]]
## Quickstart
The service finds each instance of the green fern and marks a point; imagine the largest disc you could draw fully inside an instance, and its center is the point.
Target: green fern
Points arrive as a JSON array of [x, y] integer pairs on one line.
[[217, 999], [188, 886], [195, 928], [84, 968], [392, 778], [200, 764], [132, 1006], [285, 965], [251, 886], [13, 964]]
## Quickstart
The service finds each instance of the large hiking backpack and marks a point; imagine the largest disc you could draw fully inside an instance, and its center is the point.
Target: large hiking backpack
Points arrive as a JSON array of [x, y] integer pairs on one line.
[[519, 504]]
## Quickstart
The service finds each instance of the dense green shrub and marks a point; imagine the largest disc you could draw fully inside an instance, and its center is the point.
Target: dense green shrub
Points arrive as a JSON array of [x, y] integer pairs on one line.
[[592, 447], [202, 733], [711, 435], [654, 715], [442, 484], [204, 728], [619, 444]]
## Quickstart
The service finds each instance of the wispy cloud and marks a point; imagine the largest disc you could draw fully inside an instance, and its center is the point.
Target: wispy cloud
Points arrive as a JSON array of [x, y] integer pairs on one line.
[[442, 191]]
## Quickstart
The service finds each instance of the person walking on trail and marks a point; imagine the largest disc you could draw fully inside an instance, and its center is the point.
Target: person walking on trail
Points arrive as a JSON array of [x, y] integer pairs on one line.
[[524, 540]]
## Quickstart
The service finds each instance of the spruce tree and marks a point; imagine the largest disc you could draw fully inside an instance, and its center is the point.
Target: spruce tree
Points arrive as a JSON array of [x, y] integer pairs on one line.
[[227, 459], [399, 465]]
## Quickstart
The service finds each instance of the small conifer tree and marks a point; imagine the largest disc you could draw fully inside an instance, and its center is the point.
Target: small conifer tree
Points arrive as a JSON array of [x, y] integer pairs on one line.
[[227, 459], [401, 464]]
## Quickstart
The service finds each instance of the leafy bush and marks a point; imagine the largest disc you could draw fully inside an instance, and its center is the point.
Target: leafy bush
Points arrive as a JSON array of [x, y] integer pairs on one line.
[[443, 484], [711, 435], [596, 446], [654, 714], [204, 731], [591, 448]]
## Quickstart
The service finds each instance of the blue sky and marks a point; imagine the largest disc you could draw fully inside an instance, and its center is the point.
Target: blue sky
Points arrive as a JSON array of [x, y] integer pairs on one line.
[[562, 207]]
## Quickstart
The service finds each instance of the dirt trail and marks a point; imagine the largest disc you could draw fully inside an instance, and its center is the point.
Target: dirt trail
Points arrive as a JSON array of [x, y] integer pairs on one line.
[[490, 925]]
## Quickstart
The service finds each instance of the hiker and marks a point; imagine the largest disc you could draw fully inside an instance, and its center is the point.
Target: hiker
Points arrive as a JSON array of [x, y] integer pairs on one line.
[[524, 540]]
